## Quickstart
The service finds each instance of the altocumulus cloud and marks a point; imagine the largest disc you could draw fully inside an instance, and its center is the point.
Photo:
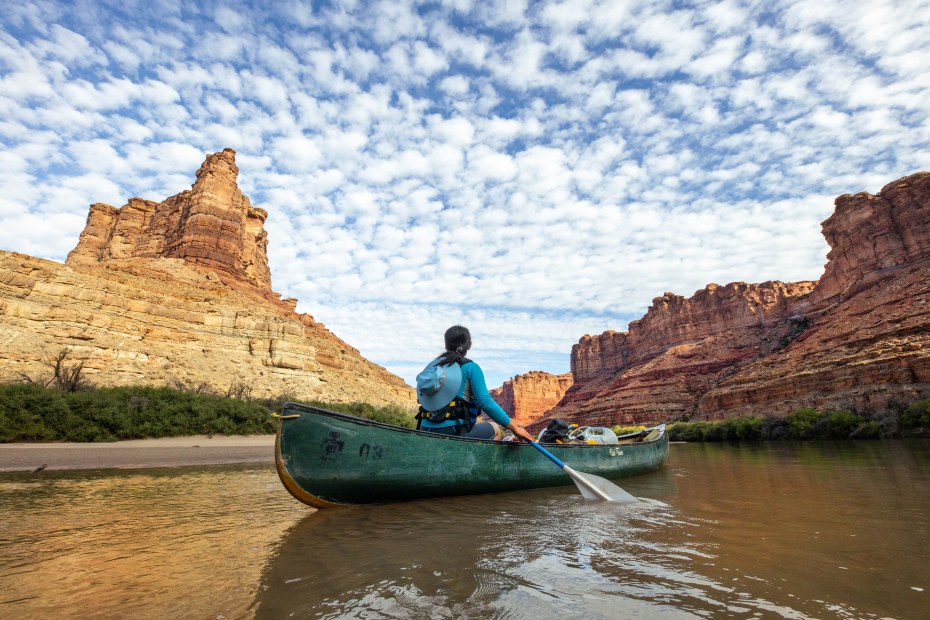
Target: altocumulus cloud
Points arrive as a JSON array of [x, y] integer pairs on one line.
[[534, 170]]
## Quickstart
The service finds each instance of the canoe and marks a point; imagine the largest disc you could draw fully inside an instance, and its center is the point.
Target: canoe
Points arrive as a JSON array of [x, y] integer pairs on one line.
[[328, 459]]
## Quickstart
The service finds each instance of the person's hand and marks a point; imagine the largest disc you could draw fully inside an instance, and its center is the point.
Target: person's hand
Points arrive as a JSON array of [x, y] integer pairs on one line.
[[520, 432]]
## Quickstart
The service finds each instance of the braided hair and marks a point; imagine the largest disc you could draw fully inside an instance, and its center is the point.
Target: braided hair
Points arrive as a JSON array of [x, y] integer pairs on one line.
[[458, 342]]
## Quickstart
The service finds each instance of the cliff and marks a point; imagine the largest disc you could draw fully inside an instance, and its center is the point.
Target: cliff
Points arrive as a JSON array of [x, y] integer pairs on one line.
[[178, 293], [527, 397], [868, 342], [857, 338]]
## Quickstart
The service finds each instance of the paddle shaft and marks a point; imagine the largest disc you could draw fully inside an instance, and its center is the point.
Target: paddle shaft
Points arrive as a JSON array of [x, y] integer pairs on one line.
[[548, 454]]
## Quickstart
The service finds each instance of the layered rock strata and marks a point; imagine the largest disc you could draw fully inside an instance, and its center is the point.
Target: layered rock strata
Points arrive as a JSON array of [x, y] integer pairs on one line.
[[858, 338], [527, 397], [868, 342], [212, 225], [178, 293], [681, 347]]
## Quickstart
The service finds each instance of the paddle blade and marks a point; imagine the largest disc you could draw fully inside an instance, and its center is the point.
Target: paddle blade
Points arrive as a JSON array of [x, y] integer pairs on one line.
[[595, 487]]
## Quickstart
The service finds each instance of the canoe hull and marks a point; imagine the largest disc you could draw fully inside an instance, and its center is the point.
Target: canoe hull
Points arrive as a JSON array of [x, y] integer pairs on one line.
[[327, 459]]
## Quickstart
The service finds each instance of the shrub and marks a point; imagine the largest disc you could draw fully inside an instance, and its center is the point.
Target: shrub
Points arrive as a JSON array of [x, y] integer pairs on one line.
[[686, 431], [678, 431], [841, 424], [731, 429], [870, 429], [31, 412], [916, 416], [802, 423], [715, 431], [774, 428], [749, 429]]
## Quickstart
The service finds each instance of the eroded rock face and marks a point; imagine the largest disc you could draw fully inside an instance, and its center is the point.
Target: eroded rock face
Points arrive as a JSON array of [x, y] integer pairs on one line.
[[212, 225], [858, 338], [527, 397], [179, 293], [863, 353], [166, 322], [872, 236], [672, 320], [681, 347]]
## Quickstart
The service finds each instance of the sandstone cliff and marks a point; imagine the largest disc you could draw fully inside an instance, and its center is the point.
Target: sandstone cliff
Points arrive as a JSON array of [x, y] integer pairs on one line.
[[857, 338], [178, 292], [527, 397]]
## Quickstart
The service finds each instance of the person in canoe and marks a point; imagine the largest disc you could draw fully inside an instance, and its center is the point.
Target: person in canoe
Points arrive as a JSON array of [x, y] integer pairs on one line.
[[452, 392]]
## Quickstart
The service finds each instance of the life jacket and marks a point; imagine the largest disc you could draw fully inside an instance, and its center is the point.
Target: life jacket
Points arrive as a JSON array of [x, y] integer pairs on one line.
[[465, 413]]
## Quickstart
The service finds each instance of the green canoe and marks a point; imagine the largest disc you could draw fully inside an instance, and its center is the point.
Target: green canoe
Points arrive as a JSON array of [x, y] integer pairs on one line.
[[328, 459]]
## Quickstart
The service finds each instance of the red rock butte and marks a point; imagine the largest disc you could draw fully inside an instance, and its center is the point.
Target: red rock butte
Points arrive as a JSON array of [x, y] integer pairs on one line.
[[212, 225], [527, 397], [858, 338]]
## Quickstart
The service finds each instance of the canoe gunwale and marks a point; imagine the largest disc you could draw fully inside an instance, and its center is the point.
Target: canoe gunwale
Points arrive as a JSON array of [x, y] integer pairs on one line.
[[366, 422]]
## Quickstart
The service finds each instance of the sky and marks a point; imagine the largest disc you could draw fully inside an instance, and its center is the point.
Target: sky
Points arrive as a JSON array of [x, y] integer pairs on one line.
[[535, 171]]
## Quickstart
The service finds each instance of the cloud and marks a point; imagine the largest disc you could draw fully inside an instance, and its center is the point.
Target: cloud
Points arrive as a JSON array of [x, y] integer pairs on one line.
[[537, 171]]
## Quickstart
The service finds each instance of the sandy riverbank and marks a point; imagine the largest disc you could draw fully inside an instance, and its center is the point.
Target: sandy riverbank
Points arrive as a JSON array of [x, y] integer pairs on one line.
[[163, 452]]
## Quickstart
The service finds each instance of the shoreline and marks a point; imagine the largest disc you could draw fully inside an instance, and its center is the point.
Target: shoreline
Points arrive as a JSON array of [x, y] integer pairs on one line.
[[137, 453]]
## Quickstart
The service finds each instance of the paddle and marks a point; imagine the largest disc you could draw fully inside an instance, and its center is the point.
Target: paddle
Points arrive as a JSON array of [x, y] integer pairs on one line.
[[591, 486]]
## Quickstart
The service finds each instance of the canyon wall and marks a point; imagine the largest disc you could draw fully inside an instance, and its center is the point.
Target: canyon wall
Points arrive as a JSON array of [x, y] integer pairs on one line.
[[527, 397], [868, 342], [857, 338], [178, 293]]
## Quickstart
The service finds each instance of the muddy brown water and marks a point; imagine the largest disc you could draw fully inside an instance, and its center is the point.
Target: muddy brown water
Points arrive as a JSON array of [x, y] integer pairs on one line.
[[790, 530]]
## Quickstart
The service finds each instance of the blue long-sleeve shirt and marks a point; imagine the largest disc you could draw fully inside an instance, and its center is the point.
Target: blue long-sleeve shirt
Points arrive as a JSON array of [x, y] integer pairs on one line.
[[475, 389]]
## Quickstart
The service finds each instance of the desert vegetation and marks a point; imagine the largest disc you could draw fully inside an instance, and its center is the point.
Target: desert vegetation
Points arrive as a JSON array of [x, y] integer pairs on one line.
[[32, 412], [898, 420], [60, 404]]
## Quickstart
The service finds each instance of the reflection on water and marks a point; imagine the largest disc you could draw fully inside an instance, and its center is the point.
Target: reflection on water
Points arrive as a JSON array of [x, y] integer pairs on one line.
[[187, 542], [509, 555], [789, 530]]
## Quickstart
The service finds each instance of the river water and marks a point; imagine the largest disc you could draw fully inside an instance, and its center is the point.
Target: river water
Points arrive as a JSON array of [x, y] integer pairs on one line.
[[789, 530]]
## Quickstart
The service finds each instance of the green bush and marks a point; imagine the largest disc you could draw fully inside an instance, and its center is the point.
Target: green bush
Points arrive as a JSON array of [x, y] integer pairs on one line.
[[715, 431], [731, 429], [687, 431], [802, 423], [841, 424], [389, 414], [808, 423], [870, 429], [916, 416], [749, 429], [677, 431], [30, 412]]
